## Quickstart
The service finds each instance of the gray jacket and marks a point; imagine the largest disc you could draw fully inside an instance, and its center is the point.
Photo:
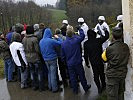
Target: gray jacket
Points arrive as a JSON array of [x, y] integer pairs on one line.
[[4, 50], [31, 48]]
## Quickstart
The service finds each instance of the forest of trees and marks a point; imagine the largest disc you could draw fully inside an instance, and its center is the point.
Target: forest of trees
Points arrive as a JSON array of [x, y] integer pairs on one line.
[[22, 12], [61, 4], [91, 9]]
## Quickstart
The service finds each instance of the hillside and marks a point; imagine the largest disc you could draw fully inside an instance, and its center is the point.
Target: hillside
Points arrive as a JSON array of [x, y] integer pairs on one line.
[[58, 15]]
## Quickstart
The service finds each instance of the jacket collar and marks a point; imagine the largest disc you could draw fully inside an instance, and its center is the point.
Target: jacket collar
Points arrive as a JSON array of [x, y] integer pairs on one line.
[[116, 41], [30, 35]]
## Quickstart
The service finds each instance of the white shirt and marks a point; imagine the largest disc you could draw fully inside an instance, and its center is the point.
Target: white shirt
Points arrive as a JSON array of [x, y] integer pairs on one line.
[[101, 27], [85, 28], [13, 49], [104, 25]]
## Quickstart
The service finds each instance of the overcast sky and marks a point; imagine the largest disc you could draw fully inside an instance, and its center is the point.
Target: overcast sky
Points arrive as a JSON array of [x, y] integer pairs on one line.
[[43, 2]]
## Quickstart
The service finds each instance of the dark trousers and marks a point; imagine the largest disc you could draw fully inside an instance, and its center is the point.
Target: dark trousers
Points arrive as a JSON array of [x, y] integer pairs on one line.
[[63, 70], [99, 75], [115, 88], [37, 74], [74, 72]]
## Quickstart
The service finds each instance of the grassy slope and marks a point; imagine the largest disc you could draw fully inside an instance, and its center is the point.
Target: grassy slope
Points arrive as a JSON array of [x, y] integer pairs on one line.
[[1, 68], [58, 15]]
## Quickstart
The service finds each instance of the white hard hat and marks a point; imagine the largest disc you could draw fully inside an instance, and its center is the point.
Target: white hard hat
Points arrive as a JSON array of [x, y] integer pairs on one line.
[[101, 18], [120, 17], [80, 20], [65, 22], [36, 26]]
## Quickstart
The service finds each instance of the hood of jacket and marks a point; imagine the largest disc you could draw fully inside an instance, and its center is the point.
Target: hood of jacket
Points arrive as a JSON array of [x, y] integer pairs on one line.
[[47, 33]]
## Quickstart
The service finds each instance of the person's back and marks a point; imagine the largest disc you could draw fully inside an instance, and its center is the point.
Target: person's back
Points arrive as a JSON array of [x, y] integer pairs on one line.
[[72, 55], [47, 45], [93, 47], [93, 51], [71, 47], [31, 46], [118, 55]]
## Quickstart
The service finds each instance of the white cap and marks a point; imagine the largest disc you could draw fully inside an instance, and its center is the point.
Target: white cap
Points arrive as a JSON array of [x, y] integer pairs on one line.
[[36, 26], [101, 18], [65, 21], [120, 17], [81, 20]]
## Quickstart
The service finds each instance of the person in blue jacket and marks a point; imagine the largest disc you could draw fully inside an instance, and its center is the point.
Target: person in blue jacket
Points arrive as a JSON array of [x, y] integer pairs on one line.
[[48, 51], [71, 53]]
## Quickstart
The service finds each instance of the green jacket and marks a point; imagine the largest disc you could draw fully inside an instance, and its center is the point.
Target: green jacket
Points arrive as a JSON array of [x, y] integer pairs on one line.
[[117, 57], [4, 50], [31, 48]]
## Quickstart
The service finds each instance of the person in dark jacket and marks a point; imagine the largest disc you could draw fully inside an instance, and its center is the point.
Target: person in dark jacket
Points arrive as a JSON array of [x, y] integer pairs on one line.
[[72, 55], [32, 51], [64, 27], [92, 52], [116, 55], [47, 47], [6, 56], [62, 65]]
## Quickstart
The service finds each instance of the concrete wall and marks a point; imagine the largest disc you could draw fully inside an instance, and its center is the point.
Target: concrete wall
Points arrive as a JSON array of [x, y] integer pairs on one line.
[[127, 8]]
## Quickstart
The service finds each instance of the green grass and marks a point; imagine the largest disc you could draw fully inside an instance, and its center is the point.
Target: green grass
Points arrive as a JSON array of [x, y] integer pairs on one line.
[[1, 68], [58, 15]]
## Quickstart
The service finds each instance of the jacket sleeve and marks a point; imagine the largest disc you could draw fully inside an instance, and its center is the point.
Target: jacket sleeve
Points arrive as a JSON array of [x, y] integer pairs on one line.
[[86, 55], [21, 49], [104, 38], [36, 46], [57, 42], [104, 57], [81, 37]]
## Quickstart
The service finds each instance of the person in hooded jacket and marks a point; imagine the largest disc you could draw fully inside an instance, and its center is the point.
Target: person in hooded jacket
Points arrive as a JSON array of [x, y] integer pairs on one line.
[[32, 51], [71, 54], [92, 52], [47, 47]]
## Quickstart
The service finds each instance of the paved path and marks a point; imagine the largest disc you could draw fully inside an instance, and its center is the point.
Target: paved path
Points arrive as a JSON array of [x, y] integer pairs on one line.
[[28, 94], [4, 94]]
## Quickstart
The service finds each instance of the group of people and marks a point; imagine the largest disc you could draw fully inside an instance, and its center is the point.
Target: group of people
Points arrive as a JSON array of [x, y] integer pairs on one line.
[[35, 53]]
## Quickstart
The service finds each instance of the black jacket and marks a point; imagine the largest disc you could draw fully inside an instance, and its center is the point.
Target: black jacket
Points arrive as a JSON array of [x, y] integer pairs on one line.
[[93, 50]]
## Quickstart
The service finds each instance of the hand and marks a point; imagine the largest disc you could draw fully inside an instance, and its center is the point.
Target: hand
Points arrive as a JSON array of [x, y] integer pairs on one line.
[[104, 28], [56, 36]]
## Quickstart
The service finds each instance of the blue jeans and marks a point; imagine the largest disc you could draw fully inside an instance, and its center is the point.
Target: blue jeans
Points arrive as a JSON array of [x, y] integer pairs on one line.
[[9, 68], [24, 77], [52, 74], [36, 72]]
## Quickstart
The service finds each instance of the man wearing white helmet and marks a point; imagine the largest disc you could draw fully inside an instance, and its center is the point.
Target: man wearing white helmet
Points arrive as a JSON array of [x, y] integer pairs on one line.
[[120, 20], [83, 26], [99, 30], [64, 27], [36, 29]]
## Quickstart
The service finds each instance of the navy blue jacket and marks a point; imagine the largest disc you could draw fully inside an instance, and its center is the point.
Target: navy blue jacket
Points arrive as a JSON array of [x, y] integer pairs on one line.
[[71, 50], [48, 45]]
